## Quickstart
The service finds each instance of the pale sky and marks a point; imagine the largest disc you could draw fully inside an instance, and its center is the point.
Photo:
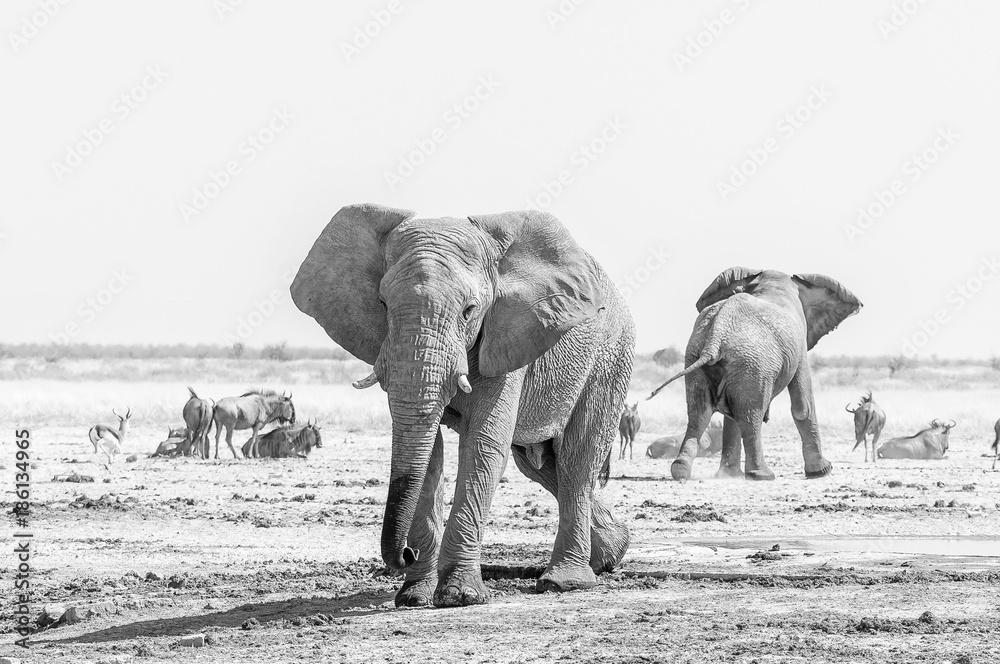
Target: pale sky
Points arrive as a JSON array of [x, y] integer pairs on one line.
[[116, 112]]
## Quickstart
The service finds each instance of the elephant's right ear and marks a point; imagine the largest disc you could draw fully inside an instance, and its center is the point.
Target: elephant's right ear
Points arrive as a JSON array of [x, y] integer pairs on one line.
[[825, 304], [734, 280], [337, 283]]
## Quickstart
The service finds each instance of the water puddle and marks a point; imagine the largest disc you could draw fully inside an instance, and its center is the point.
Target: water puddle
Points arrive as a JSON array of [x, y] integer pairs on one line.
[[938, 547]]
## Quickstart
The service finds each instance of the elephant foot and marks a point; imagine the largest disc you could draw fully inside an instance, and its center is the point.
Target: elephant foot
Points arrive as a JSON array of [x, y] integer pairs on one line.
[[565, 579], [762, 474], [680, 469], [821, 470], [728, 473], [416, 592], [461, 588], [608, 546]]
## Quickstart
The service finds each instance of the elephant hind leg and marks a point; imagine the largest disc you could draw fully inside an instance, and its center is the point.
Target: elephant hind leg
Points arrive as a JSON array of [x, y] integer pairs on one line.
[[756, 468], [609, 538], [700, 411], [732, 451]]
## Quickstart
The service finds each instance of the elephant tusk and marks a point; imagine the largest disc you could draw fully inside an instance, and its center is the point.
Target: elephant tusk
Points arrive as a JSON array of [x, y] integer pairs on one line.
[[463, 382], [365, 382]]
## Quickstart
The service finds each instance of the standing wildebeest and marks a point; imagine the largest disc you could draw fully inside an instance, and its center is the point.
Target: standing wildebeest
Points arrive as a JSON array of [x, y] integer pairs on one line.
[[107, 440], [869, 418], [628, 427], [668, 446], [996, 444], [284, 443], [198, 417], [251, 411], [931, 443]]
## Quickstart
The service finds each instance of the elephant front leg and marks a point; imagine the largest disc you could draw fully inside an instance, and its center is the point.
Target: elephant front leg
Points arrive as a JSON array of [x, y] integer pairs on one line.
[[804, 414], [425, 534], [483, 452], [732, 451]]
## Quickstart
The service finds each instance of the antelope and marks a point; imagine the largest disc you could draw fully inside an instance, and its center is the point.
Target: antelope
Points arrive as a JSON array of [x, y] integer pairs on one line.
[[869, 418], [931, 443], [284, 443], [628, 427], [252, 410], [173, 445], [709, 444], [107, 440], [996, 444]]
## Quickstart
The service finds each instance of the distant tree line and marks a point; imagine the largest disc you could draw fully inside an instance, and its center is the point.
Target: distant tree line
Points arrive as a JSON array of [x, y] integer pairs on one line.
[[277, 352]]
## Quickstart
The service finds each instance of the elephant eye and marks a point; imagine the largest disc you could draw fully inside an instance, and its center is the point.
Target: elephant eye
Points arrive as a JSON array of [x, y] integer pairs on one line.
[[382, 302], [468, 311]]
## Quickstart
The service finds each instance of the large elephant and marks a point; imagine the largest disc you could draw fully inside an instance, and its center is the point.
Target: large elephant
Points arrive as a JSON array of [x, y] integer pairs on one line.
[[504, 329], [749, 343]]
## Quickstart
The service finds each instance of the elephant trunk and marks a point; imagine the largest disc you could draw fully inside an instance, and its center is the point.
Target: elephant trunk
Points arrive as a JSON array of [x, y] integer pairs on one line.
[[420, 382]]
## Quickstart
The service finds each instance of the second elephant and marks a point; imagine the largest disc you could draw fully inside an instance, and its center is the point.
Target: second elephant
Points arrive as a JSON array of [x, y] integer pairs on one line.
[[749, 343]]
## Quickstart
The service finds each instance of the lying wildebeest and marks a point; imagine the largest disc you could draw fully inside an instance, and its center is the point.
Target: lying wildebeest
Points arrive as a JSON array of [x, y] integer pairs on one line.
[[869, 418], [252, 410], [996, 444], [628, 427], [285, 443], [709, 444], [198, 417], [107, 440], [174, 444], [931, 443]]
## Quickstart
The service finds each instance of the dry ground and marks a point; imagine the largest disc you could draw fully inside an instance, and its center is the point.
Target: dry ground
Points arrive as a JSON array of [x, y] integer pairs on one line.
[[277, 561]]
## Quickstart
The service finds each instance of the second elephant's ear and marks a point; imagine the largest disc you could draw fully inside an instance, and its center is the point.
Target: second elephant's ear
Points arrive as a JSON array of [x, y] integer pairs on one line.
[[546, 285], [825, 304], [734, 280], [338, 281]]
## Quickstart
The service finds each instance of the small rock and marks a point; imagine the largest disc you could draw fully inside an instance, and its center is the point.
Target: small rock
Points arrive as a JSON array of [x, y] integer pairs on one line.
[[250, 623], [969, 487], [107, 480], [9, 660], [895, 484], [928, 617], [939, 485], [51, 613], [939, 503], [504, 480], [776, 547], [132, 458], [954, 503], [193, 641], [176, 582], [213, 604], [75, 614], [152, 576]]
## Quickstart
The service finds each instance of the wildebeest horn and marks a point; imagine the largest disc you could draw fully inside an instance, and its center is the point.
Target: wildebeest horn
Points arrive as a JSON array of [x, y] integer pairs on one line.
[[953, 423], [848, 409], [365, 382]]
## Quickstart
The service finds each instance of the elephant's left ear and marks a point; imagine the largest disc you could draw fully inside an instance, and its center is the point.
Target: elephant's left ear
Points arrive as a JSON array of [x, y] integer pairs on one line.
[[546, 285], [825, 303]]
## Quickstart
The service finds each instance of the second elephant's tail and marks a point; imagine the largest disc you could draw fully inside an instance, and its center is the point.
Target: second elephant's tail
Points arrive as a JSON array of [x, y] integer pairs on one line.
[[707, 357]]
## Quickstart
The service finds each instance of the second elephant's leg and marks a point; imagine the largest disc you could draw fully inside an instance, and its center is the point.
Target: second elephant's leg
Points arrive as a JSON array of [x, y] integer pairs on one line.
[[756, 468], [425, 534], [700, 411], [609, 538], [804, 414], [732, 450]]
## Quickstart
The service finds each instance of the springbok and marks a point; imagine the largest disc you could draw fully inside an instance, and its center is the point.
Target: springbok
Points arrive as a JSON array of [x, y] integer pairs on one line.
[[284, 443], [869, 418], [198, 415], [252, 410], [931, 443], [107, 440], [996, 444], [628, 427]]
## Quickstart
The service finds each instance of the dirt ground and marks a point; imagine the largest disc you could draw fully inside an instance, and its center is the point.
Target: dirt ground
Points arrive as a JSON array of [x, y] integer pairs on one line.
[[277, 560]]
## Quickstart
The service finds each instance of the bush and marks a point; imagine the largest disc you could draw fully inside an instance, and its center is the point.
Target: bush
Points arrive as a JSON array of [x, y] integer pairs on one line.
[[276, 352], [236, 352], [667, 357], [897, 363]]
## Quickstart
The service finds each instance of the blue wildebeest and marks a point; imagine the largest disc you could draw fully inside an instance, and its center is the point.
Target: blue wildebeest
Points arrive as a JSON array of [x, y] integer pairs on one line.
[[287, 442], [931, 443], [106, 439], [628, 427], [174, 444], [869, 418], [252, 410], [198, 417], [709, 444], [996, 444]]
